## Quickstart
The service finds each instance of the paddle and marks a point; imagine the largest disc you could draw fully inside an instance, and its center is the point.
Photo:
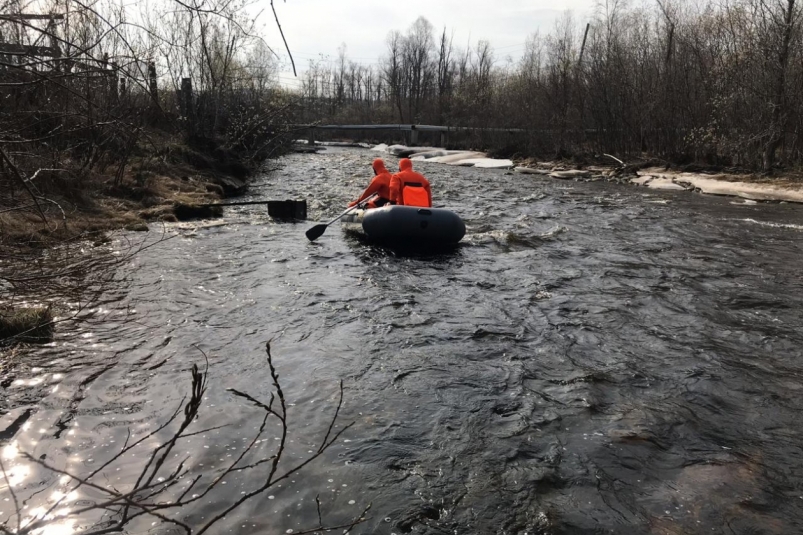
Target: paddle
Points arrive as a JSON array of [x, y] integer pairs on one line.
[[317, 231]]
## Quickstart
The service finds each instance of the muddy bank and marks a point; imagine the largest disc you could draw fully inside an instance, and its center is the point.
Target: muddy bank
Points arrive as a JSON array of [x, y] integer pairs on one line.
[[70, 203]]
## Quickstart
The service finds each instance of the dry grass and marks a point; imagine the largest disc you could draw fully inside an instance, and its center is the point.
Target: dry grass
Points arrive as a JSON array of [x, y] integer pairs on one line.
[[162, 172], [149, 191], [793, 179], [26, 228], [26, 324]]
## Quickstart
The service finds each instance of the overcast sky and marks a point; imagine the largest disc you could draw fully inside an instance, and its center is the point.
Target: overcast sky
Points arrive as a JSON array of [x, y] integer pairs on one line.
[[314, 27]]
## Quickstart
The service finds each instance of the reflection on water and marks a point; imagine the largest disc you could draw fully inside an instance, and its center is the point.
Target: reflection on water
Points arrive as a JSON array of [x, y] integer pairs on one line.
[[592, 358]]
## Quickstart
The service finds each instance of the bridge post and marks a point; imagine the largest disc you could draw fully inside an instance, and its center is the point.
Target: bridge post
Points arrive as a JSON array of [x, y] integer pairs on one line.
[[311, 138], [413, 136]]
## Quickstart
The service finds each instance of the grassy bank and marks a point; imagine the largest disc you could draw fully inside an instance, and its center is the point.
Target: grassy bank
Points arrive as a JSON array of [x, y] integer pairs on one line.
[[159, 183]]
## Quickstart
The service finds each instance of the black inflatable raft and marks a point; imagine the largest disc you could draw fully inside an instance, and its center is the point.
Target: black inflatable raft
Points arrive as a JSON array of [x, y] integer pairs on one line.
[[407, 226]]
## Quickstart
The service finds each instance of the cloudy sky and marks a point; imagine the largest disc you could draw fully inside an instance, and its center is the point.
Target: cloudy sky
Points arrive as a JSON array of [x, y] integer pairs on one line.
[[315, 27]]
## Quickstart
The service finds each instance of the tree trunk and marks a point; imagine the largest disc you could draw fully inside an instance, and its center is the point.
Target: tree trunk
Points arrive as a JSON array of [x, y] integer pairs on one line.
[[779, 112]]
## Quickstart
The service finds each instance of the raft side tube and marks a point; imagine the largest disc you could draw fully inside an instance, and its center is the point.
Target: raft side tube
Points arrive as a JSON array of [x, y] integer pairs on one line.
[[408, 224]]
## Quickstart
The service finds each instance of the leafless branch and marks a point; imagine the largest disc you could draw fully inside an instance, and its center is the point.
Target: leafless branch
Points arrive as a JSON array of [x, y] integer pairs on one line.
[[150, 493], [292, 62]]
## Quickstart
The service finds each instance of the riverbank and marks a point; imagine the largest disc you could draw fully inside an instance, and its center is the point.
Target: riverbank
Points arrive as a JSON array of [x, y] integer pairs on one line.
[[752, 187], [165, 181]]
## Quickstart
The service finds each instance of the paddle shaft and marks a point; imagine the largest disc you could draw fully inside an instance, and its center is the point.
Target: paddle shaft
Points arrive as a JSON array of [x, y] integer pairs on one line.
[[353, 208], [317, 231]]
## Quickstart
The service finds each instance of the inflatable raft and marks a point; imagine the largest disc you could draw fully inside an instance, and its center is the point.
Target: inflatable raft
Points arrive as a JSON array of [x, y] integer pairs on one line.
[[407, 226]]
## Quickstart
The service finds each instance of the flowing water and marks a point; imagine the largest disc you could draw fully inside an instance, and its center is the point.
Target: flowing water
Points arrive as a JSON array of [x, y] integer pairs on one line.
[[593, 358]]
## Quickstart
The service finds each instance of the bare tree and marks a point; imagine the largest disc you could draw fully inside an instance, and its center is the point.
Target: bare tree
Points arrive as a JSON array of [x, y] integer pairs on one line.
[[445, 76], [778, 24], [417, 51], [393, 70]]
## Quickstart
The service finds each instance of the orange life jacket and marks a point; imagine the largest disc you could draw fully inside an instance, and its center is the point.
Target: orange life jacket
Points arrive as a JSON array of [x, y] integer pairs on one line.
[[414, 194], [410, 188]]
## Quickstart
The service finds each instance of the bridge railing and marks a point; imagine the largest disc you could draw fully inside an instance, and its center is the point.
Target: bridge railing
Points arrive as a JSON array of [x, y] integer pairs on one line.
[[412, 128]]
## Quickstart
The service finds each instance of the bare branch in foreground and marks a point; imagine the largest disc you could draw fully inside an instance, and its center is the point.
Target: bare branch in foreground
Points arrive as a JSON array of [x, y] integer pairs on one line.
[[163, 487]]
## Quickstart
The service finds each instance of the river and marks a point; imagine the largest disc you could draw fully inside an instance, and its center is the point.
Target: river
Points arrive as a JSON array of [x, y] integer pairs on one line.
[[593, 358]]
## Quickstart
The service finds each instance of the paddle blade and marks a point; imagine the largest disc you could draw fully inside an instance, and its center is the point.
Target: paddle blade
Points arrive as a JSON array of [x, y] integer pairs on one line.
[[316, 232]]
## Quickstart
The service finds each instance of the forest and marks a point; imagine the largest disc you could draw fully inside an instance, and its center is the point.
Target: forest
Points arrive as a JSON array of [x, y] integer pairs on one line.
[[717, 83]]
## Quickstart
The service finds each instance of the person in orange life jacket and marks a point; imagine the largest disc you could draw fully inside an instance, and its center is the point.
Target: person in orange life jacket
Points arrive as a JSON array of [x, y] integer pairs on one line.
[[410, 188], [380, 185]]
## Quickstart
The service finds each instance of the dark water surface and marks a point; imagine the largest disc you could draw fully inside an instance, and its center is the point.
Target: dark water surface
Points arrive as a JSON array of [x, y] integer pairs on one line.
[[593, 359]]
